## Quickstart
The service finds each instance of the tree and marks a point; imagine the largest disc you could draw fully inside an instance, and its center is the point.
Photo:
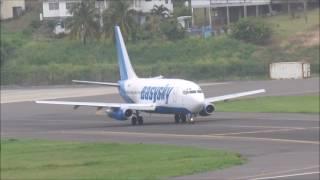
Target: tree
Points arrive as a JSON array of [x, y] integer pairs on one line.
[[153, 20], [85, 20], [161, 11], [252, 30], [119, 13], [172, 29]]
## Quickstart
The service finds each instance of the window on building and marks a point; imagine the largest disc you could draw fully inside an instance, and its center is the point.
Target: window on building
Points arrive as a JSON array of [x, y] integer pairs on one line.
[[167, 1], [69, 5], [53, 6]]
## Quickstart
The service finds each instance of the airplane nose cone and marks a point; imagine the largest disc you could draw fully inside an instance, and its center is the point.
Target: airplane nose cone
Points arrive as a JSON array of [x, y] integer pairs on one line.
[[197, 104]]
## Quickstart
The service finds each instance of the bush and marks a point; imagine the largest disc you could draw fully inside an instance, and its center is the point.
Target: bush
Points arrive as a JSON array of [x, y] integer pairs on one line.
[[7, 48], [51, 24], [27, 32], [35, 24], [172, 29], [252, 31]]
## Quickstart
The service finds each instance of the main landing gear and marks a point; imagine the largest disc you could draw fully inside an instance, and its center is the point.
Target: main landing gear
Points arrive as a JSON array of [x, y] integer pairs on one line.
[[184, 118], [136, 119]]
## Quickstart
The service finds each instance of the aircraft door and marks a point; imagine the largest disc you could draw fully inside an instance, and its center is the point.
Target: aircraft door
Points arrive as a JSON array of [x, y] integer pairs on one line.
[[175, 95]]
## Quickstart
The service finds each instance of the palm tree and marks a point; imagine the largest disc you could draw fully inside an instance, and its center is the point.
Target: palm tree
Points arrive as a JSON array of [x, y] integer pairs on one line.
[[119, 13], [161, 11], [158, 15], [85, 21]]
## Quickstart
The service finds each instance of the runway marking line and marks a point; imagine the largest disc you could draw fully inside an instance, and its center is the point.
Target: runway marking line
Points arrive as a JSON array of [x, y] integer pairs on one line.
[[277, 173], [266, 127], [265, 131], [288, 175], [262, 119], [190, 136]]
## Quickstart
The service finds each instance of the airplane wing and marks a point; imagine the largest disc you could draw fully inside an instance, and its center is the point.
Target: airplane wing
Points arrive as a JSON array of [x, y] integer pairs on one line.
[[141, 107], [98, 83], [232, 96], [157, 77]]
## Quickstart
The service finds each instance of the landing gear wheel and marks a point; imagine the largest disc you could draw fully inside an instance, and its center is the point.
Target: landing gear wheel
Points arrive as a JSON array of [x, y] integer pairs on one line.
[[140, 120], [177, 118], [191, 120], [183, 118], [134, 120]]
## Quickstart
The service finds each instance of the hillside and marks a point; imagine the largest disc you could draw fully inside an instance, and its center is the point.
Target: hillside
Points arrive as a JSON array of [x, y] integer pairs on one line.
[[30, 60]]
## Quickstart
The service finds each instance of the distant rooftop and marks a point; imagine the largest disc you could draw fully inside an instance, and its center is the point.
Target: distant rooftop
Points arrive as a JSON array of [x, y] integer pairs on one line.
[[230, 3], [224, 3]]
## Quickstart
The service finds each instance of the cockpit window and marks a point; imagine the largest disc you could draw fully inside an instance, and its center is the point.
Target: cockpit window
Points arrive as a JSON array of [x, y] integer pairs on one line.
[[189, 91]]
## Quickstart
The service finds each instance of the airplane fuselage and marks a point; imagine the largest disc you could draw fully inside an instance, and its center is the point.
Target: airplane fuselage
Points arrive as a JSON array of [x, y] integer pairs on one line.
[[168, 95]]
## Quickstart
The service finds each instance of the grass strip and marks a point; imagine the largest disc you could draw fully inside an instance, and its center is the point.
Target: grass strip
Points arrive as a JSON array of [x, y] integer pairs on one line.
[[276, 104], [40, 159]]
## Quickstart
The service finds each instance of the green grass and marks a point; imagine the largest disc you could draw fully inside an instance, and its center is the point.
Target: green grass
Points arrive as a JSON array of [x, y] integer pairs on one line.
[[35, 159], [285, 26], [281, 104]]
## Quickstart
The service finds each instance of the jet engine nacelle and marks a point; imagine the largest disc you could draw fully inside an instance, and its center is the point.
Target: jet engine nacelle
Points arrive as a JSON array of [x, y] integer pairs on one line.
[[120, 113], [208, 109]]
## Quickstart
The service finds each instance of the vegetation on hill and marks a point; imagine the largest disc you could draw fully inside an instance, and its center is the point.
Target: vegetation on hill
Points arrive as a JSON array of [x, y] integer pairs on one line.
[[27, 59], [252, 30]]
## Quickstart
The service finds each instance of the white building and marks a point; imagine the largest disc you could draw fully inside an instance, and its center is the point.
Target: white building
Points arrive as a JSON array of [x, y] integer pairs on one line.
[[218, 13], [11, 9], [146, 6], [224, 3], [59, 9], [228, 10]]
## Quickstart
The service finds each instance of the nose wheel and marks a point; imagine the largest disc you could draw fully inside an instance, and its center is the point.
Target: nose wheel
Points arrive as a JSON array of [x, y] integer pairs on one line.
[[184, 118]]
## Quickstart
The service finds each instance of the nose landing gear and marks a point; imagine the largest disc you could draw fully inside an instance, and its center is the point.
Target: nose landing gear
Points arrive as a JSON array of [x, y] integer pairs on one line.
[[184, 118]]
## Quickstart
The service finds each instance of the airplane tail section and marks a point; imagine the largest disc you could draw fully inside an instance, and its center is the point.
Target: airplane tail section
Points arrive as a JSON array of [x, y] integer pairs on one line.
[[126, 70]]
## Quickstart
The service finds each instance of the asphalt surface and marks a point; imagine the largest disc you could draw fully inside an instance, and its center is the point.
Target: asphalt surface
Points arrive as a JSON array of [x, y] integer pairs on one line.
[[277, 146]]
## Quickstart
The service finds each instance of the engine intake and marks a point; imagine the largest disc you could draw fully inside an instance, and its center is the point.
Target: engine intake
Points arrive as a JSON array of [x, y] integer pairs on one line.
[[207, 109], [120, 113]]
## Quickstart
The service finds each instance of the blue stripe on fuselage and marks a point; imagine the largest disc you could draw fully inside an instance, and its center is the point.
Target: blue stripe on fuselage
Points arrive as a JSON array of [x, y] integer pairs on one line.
[[171, 110]]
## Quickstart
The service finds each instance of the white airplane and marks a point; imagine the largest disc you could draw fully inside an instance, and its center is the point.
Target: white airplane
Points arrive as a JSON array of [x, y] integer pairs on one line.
[[182, 98]]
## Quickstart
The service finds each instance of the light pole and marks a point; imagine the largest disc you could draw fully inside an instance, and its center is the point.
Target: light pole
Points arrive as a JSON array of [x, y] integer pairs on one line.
[[210, 20]]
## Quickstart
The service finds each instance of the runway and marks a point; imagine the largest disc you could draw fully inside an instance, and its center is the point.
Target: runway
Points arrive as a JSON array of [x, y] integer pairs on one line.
[[281, 146]]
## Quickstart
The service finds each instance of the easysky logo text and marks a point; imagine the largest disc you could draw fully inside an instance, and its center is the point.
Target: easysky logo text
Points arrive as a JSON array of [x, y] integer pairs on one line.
[[156, 93]]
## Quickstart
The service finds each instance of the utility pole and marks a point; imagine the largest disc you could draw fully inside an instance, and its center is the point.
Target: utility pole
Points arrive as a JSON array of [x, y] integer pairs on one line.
[[210, 15], [289, 7], [270, 8], [305, 6], [244, 9], [228, 13]]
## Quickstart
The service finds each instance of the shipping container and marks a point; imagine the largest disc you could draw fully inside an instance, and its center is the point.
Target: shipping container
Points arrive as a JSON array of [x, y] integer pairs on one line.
[[290, 70]]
